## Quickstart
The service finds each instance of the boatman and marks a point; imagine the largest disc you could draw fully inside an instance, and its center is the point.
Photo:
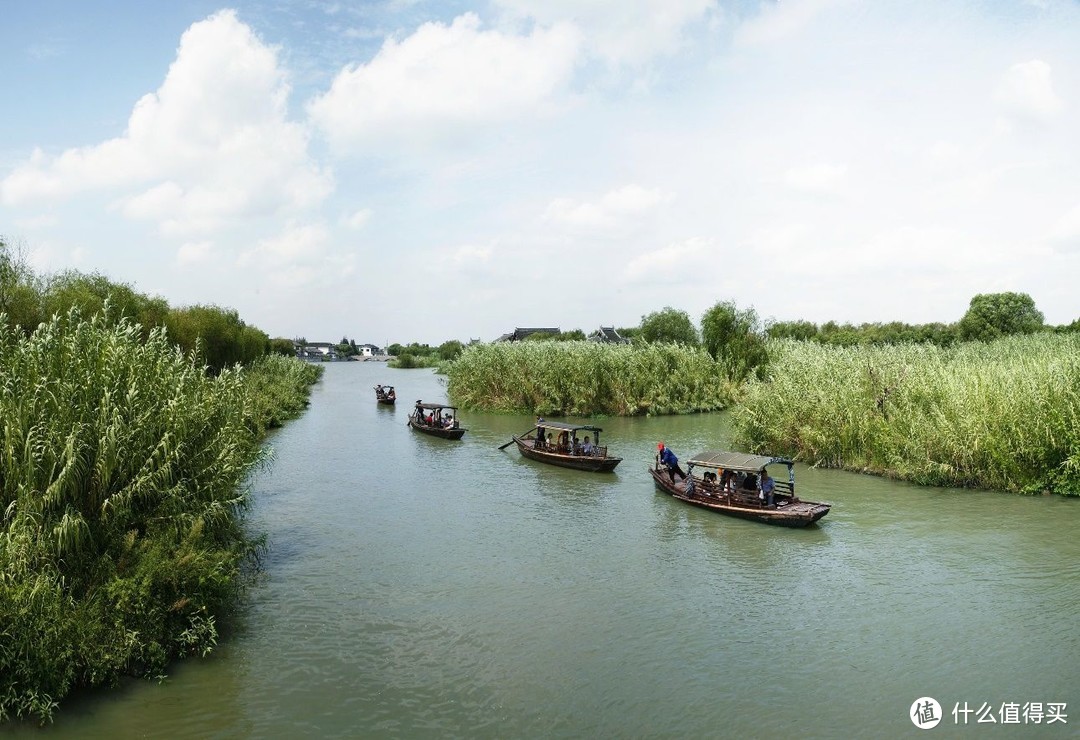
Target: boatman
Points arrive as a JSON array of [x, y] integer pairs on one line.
[[668, 458]]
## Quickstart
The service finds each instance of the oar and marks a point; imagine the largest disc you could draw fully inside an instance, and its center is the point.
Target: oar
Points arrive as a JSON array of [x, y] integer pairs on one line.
[[503, 447]]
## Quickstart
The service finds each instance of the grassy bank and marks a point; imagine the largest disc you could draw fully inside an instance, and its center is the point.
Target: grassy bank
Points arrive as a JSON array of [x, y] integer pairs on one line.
[[586, 378], [1002, 415], [122, 473]]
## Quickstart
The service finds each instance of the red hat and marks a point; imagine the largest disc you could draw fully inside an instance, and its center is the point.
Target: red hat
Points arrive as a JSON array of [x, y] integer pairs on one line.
[[659, 445]]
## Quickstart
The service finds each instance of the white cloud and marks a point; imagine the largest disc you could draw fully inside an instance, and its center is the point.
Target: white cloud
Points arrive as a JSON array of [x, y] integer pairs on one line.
[[628, 32], [1026, 92], [442, 80], [781, 20], [614, 210], [296, 244], [213, 142], [193, 253], [668, 264], [357, 219]]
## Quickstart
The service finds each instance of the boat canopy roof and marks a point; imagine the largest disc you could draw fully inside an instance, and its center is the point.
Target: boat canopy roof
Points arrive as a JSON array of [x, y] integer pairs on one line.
[[434, 406], [567, 427], [735, 460]]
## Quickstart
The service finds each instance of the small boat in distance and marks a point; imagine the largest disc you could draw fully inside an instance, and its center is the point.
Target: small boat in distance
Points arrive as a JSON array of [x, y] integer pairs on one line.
[[436, 419], [731, 483], [385, 394], [557, 443]]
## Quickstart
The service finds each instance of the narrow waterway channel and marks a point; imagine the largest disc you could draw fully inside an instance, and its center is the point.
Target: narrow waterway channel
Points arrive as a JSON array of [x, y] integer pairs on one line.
[[417, 587]]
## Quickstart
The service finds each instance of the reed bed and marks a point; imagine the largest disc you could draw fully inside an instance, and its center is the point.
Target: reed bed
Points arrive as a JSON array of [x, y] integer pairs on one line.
[[1003, 415], [122, 485], [277, 389], [587, 378]]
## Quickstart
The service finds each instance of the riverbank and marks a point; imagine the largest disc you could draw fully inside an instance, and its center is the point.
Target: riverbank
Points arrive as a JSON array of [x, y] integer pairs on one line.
[[1003, 415], [415, 587], [122, 486]]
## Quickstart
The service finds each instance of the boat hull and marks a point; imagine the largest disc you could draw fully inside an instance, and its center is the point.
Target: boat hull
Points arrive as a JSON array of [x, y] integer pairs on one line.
[[790, 514], [452, 433], [575, 462]]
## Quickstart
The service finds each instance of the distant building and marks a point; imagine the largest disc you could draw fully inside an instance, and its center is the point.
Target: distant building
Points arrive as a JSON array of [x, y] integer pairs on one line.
[[317, 351], [369, 350], [608, 335], [520, 333]]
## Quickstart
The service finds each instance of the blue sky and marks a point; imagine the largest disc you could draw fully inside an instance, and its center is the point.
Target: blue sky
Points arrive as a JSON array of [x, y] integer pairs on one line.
[[413, 171]]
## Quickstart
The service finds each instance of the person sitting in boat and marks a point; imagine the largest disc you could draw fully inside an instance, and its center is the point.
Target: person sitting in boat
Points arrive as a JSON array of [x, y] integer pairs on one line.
[[671, 462], [727, 481], [586, 446], [564, 442], [448, 421], [708, 483], [390, 393], [767, 487]]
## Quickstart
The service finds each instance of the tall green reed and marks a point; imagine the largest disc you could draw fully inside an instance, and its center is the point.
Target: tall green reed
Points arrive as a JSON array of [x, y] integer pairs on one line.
[[122, 486], [1003, 415], [588, 378]]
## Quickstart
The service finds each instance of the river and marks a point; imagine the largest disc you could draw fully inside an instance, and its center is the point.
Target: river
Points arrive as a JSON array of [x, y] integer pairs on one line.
[[419, 587]]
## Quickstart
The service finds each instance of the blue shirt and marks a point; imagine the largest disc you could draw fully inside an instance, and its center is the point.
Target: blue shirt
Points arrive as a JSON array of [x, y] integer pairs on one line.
[[767, 485], [668, 457]]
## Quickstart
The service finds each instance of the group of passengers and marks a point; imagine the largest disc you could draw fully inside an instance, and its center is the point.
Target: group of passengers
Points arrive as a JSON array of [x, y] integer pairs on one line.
[[729, 482], [433, 419], [566, 443]]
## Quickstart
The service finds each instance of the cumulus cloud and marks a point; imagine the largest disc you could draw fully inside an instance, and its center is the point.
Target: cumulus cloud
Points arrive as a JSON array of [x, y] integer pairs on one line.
[[357, 219], [668, 264], [444, 78], [298, 243], [193, 253], [1026, 92], [211, 143], [614, 209], [629, 32], [781, 20]]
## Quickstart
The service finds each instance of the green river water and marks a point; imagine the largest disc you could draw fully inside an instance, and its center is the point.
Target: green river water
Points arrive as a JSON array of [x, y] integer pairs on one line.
[[418, 587]]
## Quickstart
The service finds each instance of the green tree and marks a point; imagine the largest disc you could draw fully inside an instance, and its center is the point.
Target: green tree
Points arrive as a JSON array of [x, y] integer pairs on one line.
[[735, 339], [450, 350], [668, 325], [993, 315], [20, 290], [282, 346], [803, 330], [220, 336]]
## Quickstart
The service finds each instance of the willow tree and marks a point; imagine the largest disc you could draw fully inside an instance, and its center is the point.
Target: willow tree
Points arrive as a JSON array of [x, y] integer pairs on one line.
[[735, 339], [994, 315]]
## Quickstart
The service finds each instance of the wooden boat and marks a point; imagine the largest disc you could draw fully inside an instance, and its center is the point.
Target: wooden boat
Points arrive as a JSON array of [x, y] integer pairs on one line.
[[730, 483], [565, 449], [436, 419], [385, 395]]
